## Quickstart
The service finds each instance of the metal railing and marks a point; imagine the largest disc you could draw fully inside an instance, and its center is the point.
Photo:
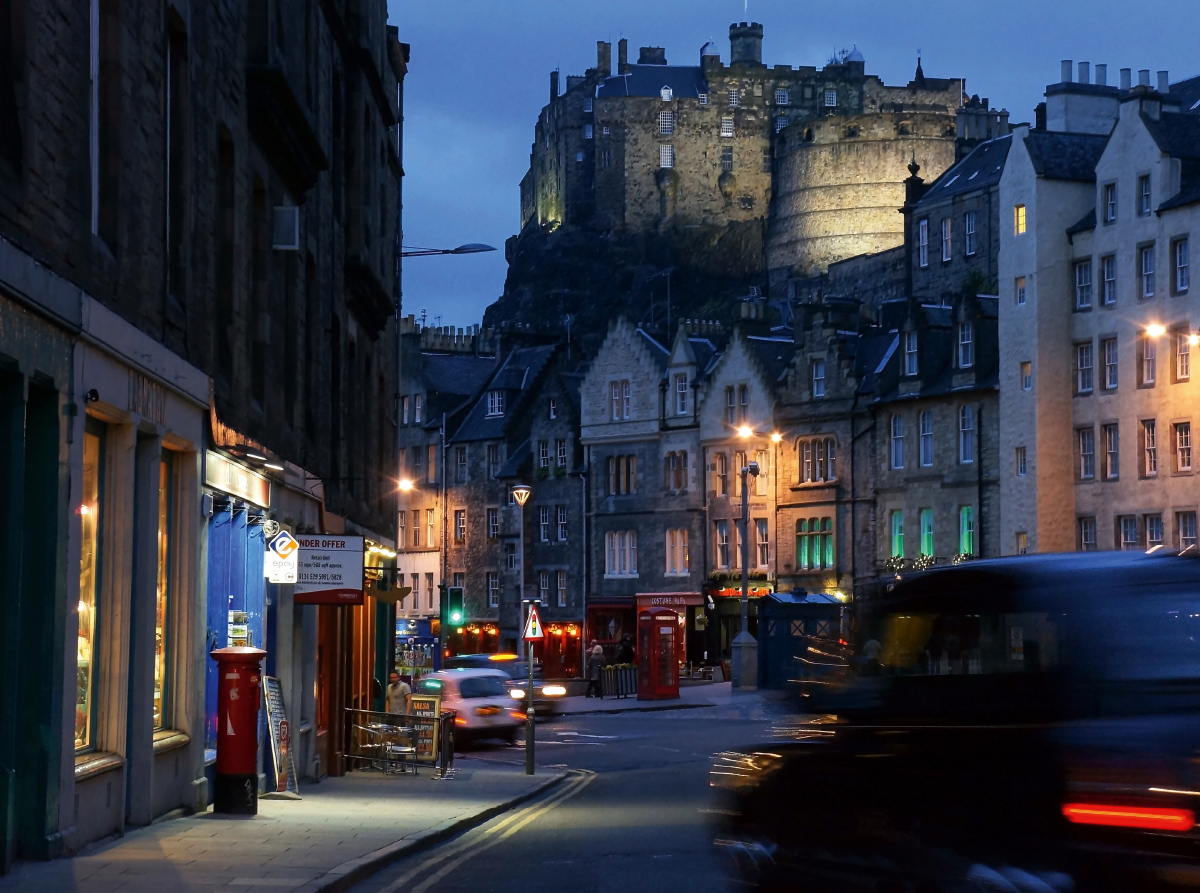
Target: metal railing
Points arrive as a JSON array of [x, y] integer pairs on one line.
[[399, 743], [618, 682]]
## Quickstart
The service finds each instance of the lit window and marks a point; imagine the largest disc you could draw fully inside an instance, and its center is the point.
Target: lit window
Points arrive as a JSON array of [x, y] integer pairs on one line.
[[1022, 542], [666, 156], [1026, 376], [667, 94], [969, 232], [966, 530], [1018, 219], [727, 127], [910, 353], [1083, 368], [897, 534], [923, 243], [1083, 285], [947, 254], [677, 551], [927, 532], [91, 513], [830, 98]]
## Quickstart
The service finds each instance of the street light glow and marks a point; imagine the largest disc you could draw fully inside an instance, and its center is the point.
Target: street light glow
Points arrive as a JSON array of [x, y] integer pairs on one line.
[[406, 484], [744, 431], [521, 493], [776, 437], [1193, 339], [1155, 330]]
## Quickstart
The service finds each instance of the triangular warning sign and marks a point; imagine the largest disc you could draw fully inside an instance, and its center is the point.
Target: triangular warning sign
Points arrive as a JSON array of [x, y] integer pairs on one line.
[[533, 626]]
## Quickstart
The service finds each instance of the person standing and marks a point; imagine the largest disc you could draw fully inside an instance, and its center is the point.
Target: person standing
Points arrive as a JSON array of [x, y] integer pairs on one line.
[[625, 653], [399, 695], [595, 661]]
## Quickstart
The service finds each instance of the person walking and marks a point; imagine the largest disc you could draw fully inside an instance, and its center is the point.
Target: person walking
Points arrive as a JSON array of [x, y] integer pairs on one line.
[[398, 694], [625, 653], [595, 661]]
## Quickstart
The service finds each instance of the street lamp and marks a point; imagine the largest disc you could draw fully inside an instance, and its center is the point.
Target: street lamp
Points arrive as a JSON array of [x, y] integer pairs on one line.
[[405, 484], [469, 248], [521, 494], [745, 646]]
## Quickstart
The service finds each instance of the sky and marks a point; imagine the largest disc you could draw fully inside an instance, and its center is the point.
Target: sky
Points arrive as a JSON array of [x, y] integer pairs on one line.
[[479, 75]]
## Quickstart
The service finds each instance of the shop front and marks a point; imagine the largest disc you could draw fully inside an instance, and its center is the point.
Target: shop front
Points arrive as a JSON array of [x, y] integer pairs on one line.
[[560, 652], [473, 637], [691, 640], [608, 622], [725, 613]]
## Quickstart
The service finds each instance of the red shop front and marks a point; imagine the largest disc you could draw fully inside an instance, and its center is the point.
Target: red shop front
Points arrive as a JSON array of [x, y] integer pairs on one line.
[[607, 623], [559, 651], [692, 620]]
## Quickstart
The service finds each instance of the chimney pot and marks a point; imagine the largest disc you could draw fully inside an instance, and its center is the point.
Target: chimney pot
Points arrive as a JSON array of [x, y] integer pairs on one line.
[[1126, 78], [1143, 77], [1066, 71], [1164, 82], [1102, 74], [1085, 74]]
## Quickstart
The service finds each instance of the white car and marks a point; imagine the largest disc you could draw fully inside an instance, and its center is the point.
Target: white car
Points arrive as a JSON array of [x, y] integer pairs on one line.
[[481, 699]]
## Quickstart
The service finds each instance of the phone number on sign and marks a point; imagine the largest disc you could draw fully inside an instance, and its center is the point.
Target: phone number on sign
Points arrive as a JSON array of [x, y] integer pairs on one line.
[[318, 578]]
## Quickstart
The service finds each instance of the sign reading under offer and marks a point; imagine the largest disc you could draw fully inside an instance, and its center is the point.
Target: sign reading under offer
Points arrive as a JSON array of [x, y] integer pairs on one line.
[[331, 570]]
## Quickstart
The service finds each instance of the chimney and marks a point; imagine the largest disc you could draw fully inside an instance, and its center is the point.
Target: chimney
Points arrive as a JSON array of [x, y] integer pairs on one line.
[[1039, 116], [604, 57], [745, 43], [1164, 83], [623, 56], [1126, 78], [553, 85], [652, 56], [1003, 129], [1067, 64], [1143, 77], [1085, 73], [1101, 74]]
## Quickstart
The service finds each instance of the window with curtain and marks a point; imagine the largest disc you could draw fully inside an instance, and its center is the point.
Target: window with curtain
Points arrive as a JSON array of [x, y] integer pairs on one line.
[[966, 530], [814, 543], [927, 532], [897, 534]]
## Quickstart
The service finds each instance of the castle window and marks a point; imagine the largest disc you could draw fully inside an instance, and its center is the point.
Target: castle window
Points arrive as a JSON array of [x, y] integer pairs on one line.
[[727, 127], [780, 123], [667, 94], [587, 104], [830, 98], [734, 96], [587, 131], [704, 99], [781, 97], [666, 122], [666, 156], [727, 158]]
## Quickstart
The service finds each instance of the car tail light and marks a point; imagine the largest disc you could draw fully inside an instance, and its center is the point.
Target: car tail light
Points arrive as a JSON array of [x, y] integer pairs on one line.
[[459, 721], [515, 714], [1154, 818]]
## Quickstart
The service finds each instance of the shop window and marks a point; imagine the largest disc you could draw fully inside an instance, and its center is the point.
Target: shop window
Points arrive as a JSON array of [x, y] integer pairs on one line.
[[91, 554], [162, 609]]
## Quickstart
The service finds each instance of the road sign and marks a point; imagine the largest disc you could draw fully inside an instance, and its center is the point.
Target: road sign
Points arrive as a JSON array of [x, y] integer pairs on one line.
[[533, 626], [284, 544]]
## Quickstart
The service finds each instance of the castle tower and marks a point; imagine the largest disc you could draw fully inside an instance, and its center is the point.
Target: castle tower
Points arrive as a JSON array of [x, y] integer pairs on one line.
[[745, 43]]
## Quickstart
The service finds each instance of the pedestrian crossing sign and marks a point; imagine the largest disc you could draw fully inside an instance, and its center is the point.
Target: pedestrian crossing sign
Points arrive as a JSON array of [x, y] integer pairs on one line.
[[533, 625]]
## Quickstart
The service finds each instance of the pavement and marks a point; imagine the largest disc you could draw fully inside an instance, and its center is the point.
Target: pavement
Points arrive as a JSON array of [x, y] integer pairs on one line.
[[718, 694], [343, 830]]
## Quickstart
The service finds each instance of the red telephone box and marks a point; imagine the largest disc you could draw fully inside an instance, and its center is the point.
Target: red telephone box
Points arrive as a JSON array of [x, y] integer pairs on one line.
[[235, 789], [658, 655]]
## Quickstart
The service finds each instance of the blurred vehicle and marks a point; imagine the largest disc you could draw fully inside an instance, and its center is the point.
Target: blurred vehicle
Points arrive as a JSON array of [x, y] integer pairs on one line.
[[545, 697], [480, 697], [1024, 724]]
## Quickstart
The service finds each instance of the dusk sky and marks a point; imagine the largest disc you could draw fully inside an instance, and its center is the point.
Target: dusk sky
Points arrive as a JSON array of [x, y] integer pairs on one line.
[[479, 75]]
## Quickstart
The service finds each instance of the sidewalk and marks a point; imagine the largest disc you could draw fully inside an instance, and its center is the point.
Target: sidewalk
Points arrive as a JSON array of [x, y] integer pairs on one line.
[[720, 694], [343, 830]]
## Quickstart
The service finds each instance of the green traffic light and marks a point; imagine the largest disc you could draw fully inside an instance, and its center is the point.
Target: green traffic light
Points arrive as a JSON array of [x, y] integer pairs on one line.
[[456, 617]]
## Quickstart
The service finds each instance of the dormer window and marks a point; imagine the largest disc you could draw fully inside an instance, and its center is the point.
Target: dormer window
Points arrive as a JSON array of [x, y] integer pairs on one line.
[[910, 353], [667, 94], [966, 345], [681, 394], [553, 408], [495, 403], [818, 378]]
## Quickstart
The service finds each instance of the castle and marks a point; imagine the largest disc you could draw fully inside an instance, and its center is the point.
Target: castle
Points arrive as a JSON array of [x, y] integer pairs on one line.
[[810, 161]]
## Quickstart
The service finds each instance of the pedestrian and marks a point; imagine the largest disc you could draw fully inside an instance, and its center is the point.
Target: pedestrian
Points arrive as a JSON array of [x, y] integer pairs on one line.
[[595, 661], [399, 695], [625, 653]]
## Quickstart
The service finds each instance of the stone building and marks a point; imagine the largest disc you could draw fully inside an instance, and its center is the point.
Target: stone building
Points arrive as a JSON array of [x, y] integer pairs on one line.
[[1094, 279], [640, 404], [198, 219], [737, 426]]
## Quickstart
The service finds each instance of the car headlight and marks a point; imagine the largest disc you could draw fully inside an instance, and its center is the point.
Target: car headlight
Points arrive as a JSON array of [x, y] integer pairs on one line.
[[554, 690], [516, 693]]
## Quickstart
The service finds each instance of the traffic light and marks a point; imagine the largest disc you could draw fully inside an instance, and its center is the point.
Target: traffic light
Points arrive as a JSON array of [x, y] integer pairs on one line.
[[454, 606]]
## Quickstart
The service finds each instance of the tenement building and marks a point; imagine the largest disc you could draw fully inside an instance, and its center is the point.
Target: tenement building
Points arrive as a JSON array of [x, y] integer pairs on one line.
[[1095, 315], [198, 221]]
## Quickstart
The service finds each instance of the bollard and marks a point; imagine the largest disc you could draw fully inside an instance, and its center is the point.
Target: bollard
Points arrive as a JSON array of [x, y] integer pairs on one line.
[[235, 789]]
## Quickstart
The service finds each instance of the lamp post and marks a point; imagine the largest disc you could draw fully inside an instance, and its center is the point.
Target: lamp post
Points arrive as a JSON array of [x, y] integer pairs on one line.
[[745, 646], [469, 248], [521, 495]]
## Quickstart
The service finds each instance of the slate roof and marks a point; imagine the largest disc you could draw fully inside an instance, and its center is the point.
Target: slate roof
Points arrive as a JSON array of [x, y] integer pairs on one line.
[[979, 170], [1187, 94], [870, 350], [1175, 134], [1065, 156], [461, 374], [1189, 195], [519, 457], [686, 81], [775, 353], [1088, 221], [516, 375]]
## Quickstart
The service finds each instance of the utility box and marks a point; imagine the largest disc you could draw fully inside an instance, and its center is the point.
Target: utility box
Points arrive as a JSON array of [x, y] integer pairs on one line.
[[658, 655]]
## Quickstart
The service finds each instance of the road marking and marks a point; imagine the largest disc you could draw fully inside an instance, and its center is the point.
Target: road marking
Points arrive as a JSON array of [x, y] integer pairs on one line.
[[470, 848], [656, 747]]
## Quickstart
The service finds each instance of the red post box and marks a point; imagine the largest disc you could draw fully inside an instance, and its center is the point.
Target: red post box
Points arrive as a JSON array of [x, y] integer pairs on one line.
[[238, 695], [658, 655]]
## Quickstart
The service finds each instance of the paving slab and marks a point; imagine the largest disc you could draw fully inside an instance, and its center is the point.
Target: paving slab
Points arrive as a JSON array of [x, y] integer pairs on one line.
[[343, 830]]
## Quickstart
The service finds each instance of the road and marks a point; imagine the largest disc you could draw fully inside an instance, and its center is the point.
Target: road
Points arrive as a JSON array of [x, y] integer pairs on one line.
[[632, 816]]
